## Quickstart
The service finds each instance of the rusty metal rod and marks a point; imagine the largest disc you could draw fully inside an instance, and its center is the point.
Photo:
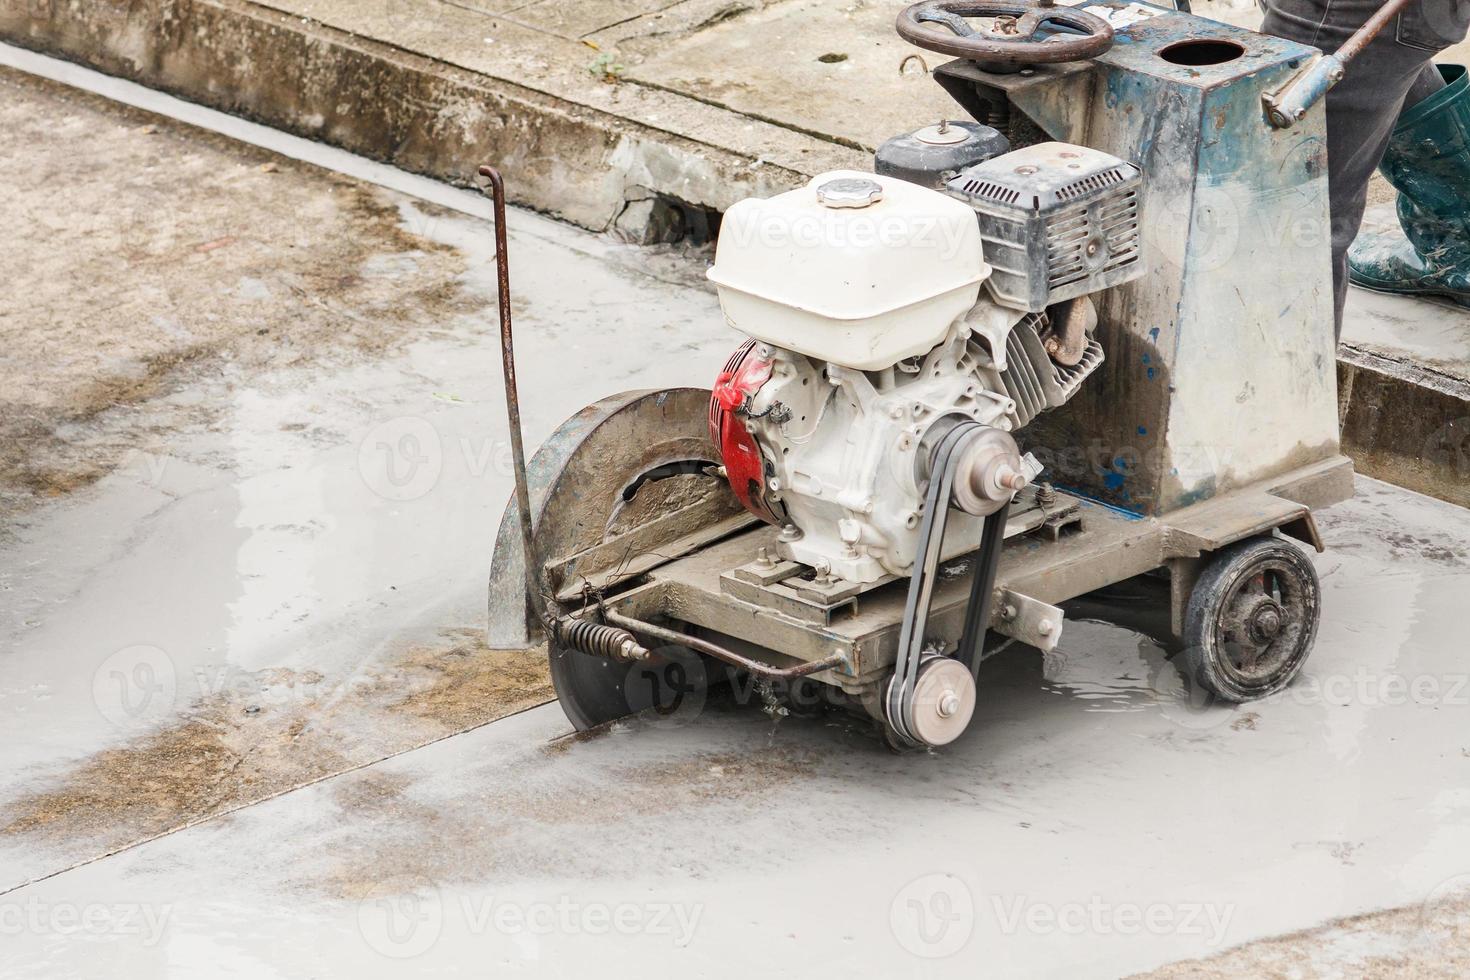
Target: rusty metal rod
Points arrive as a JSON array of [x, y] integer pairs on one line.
[[1354, 45], [730, 657], [1289, 106], [512, 397]]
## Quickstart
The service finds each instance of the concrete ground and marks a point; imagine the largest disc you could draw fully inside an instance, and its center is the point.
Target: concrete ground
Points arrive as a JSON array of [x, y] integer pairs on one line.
[[251, 731], [251, 465]]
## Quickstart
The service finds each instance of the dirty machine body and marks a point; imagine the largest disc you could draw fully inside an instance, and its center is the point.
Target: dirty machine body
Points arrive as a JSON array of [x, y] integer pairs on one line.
[[1082, 336]]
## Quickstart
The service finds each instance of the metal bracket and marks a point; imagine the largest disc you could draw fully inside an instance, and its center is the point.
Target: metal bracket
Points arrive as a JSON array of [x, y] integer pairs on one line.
[[783, 587], [1288, 105], [1029, 620]]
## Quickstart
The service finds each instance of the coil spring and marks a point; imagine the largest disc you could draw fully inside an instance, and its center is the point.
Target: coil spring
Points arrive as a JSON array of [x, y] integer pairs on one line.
[[597, 639]]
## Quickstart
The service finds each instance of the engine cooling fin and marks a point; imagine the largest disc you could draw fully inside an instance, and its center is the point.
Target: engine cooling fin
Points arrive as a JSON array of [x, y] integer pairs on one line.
[[1032, 379], [1021, 379]]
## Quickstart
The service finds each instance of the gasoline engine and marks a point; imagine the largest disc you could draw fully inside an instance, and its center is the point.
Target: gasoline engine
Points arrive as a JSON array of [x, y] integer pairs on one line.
[[883, 314]]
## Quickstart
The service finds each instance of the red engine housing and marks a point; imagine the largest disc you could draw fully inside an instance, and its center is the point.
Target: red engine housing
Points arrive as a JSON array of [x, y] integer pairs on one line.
[[743, 376]]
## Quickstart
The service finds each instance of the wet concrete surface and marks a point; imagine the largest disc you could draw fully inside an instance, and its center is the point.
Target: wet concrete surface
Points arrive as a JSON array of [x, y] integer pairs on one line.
[[272, 566], [1093, 822], [246, 713]]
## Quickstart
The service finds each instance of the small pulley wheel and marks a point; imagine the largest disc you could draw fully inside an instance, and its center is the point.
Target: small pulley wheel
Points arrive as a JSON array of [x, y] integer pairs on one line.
[[940, 707], [1251, 619]]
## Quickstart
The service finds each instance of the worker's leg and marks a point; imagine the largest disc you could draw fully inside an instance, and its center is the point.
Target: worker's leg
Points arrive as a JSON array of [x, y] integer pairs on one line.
[[1428, 162], [1428, 83], [1364, 107]]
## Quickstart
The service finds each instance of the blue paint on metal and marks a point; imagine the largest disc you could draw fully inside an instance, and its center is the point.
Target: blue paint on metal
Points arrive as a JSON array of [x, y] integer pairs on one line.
[[1306, 90], [1200, 134], [1203, 492], [1089, 500]]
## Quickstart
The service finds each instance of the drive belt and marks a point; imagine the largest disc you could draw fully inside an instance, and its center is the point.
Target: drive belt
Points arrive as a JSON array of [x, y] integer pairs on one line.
[[921, 583]]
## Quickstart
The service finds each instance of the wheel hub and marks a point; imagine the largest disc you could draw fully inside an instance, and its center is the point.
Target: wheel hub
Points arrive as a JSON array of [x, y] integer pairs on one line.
[[1266, 622]]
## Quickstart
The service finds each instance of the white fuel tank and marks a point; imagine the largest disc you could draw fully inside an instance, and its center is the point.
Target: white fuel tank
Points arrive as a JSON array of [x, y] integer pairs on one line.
[[854, 268]]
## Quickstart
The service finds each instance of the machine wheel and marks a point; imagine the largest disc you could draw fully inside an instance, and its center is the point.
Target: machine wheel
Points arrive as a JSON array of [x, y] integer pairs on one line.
[[1251, 619]]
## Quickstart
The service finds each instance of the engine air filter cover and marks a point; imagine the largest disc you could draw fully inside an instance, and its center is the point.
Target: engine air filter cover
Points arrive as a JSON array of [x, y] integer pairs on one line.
[[1058, 221], [855, 268]]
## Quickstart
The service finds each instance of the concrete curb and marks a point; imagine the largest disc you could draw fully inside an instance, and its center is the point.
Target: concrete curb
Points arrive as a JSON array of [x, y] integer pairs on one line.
[[1405, 424], [600, 169]]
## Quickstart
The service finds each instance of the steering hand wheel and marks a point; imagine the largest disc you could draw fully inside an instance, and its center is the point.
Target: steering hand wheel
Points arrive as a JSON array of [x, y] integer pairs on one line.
[[1013, 39]]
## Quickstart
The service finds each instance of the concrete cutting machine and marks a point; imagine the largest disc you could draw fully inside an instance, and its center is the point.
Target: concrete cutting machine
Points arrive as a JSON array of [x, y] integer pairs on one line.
[[1084, 335]]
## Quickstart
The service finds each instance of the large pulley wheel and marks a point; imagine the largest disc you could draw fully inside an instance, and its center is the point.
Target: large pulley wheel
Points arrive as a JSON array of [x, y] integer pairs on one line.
[[628, 479], [1020, 34], [1251, 620]]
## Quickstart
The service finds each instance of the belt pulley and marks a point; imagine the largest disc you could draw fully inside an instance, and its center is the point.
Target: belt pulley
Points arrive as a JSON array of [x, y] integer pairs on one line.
[[931, 697]]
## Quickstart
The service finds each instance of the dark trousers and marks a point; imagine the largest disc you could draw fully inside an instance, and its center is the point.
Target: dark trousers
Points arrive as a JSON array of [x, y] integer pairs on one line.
[[1395, 71]]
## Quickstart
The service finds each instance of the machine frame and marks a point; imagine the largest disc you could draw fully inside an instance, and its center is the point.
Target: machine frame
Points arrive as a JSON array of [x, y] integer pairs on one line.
[[701, 575]]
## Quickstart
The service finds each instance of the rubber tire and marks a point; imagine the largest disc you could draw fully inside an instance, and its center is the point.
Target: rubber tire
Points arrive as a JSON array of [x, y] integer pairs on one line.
[[1200, 660]]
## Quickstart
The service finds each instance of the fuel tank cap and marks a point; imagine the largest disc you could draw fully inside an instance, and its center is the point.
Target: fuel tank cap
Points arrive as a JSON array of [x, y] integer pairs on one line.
[[850, 192], [942, 135]]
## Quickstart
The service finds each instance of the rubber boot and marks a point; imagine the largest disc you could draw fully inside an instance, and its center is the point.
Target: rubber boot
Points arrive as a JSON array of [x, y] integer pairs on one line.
[[1428, 163]]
